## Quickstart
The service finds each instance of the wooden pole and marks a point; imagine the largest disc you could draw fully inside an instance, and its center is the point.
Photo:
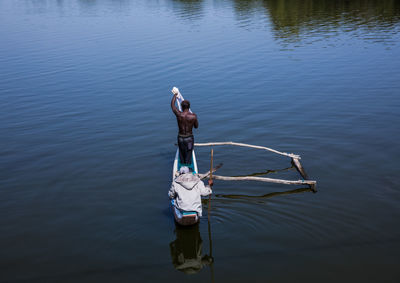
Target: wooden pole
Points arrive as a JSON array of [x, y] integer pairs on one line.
[[299, 168], [292, 155], [262, 179], [303, 173], [211, 170], [209, 224], [211, 163]]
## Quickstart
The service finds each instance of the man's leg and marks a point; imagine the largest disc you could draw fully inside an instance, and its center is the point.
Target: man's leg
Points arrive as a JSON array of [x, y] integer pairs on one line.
[[189, 142], [182, 149]]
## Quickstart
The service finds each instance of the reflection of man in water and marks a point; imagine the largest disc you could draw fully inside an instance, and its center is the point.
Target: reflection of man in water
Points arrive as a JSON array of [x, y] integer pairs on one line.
[[186, 250], [186, 122]]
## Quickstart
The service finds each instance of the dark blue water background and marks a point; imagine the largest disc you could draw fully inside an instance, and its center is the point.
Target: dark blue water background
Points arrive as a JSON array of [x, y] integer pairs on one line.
[[87, 138]]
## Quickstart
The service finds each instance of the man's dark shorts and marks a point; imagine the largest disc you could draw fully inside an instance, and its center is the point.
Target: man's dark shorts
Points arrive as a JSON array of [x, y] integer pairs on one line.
[[185, 144]]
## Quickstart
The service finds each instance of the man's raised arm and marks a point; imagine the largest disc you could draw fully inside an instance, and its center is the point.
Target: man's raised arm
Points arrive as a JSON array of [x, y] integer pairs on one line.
[[173, 106]]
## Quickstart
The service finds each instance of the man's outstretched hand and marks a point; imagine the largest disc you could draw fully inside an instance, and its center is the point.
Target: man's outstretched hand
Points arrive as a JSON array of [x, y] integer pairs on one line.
[[175, 90], [210, 182]]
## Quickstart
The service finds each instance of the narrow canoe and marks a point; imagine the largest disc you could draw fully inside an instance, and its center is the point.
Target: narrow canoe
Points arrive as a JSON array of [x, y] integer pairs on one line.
[[183, 217]]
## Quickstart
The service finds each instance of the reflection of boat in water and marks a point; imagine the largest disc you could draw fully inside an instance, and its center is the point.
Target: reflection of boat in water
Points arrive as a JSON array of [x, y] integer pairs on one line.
[[186, 250]]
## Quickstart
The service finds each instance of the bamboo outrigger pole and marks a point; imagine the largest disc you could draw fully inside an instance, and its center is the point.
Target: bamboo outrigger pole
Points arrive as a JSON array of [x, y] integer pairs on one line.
[[249, 145], [295, 159], [263, 179]]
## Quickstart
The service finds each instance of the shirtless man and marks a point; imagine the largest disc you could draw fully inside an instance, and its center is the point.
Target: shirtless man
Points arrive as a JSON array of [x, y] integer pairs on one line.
[[186, 122]]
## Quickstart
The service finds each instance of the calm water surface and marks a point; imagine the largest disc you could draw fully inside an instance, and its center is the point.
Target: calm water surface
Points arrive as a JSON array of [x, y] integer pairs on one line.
[[87, 139]]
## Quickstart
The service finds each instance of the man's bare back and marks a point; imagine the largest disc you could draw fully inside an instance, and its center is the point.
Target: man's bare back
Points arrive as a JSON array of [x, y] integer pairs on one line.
[[186, 120]]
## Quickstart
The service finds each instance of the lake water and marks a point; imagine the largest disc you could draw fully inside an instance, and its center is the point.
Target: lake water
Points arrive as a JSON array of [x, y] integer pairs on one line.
[[88, 139]]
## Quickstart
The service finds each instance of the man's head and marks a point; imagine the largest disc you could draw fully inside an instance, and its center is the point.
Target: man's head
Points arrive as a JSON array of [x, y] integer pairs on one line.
[[184, 170], [185, 104]]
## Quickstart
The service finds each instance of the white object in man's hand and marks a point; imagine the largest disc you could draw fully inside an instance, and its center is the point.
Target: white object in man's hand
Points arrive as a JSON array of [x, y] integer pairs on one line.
[[175, 90]]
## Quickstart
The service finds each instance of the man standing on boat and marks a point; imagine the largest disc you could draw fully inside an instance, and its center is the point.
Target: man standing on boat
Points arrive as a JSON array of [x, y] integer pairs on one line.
[[186, 121]]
